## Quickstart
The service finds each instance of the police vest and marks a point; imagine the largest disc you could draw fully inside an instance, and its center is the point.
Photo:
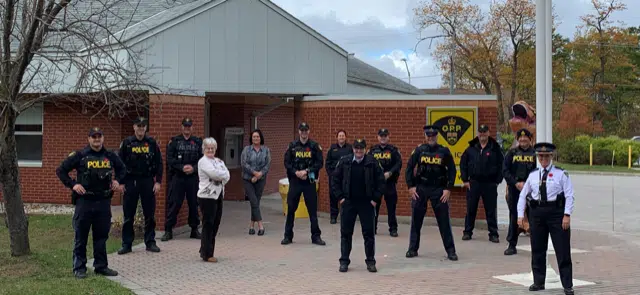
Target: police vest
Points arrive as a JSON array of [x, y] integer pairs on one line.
[[522, 163], [140, 155], [431, 166], [302, 156], [96, 175], [188, 151], [383, 155]]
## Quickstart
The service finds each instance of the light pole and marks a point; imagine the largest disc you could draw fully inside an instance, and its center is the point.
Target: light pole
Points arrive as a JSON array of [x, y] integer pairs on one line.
[[407, 66]]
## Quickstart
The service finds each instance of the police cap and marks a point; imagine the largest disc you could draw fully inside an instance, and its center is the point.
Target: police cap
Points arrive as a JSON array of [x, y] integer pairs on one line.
[[94, 131], [544, 147], [483, 128], [140, 121], [303, 126], [383, 132], [360, 143], [523, 132], [430, 130], [187, 122]]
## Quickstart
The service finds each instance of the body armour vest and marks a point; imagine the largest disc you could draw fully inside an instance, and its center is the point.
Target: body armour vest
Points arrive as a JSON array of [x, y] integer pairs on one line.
[[523, 162], [383, 155], [431, 167], [139, 159], [97, 174]]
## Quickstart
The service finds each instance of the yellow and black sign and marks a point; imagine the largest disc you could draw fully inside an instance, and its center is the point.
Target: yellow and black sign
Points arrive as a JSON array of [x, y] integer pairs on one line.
[[97, 164], [431, 160], [457, 126]]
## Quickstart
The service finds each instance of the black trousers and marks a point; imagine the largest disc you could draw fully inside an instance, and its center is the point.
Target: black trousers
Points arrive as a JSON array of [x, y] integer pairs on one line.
[[182, 186], [441, 211], [94, 215], [545, 221], [391, 200], [488, 191], [333, 200], [514, 230], [296, 188], [139, 188], [211, 215], [351, 210], [253, 191]]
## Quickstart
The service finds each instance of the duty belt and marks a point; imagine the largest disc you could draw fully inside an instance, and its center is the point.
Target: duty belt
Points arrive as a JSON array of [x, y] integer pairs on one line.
[[539, 203]]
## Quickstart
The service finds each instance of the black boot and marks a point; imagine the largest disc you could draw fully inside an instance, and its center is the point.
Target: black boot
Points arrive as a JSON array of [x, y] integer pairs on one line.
[[80, 274], [124, 250], [371, 267], [195, 234], [343, 267], [106, 272], [510, 251], [152, 247], [318, 241], [411, 253], [168, 235], [536, 287]]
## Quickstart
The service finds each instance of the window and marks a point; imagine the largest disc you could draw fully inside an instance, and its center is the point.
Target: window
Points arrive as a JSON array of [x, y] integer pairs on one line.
[[29, 136]]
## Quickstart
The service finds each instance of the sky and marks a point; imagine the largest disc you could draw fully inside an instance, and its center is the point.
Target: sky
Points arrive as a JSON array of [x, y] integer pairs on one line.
[[382, 32]]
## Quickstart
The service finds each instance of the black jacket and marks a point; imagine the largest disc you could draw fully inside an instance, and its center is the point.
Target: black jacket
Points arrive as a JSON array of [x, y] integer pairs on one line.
[[142, 157], [484, 165], [374, 178], [518, 163], [183, 152], [334, 154]]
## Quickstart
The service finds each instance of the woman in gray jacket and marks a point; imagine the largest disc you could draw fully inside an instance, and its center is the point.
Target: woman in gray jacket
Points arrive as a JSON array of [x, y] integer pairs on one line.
[[256, 160]]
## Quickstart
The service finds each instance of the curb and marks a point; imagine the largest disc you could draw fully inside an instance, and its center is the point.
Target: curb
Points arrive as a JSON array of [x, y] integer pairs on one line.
[[604, 173]]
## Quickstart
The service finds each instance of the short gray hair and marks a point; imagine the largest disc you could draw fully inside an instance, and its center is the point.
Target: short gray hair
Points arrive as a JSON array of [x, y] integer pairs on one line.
[[209, 141]]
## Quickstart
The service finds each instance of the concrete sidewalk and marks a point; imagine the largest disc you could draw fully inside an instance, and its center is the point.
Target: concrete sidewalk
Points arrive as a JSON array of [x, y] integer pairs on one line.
[[260, 265]]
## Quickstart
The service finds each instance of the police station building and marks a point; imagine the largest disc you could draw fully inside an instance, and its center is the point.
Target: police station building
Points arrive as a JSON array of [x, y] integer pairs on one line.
[[250, 64]]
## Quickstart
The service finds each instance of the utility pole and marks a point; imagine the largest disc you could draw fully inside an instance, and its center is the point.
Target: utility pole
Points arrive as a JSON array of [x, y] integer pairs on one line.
[[407, 66], [451, 63]]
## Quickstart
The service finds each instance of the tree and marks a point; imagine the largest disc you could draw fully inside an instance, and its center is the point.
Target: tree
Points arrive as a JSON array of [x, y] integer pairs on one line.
[[517, 18], [60, 51], [476, 39]]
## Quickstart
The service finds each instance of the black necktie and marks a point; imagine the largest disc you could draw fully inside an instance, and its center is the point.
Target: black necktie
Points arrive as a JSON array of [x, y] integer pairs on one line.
[[543, 187]]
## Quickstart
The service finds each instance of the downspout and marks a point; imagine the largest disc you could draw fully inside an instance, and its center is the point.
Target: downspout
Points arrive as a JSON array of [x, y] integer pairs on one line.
[[256, 114]]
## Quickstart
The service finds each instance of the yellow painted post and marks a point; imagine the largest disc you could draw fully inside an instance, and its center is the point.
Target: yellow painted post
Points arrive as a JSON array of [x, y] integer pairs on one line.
[[591, 154], [629, 156]]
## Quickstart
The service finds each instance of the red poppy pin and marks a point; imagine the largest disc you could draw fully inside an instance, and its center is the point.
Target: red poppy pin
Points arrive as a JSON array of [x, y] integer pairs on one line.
[[192, 142], [437, 156], [487, 154], [106, 159], [146, 144], [550, 174]]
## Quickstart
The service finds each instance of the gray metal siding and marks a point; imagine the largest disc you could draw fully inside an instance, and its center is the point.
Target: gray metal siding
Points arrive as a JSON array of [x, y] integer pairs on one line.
[[242, 46], [353, 88]]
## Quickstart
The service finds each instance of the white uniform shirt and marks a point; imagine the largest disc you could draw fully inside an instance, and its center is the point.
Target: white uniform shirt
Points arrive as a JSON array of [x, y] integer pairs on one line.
[[213, 175], [558, 181]]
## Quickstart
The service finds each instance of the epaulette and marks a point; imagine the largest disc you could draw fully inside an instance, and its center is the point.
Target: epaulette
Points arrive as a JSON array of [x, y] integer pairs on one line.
[[534, 170]]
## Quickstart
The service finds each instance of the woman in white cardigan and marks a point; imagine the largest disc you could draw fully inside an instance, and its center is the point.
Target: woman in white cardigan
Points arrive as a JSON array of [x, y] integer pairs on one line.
[[213, 175]]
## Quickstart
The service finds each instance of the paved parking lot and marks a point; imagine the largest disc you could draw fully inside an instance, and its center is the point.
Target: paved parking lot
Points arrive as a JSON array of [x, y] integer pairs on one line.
[[260, 265]]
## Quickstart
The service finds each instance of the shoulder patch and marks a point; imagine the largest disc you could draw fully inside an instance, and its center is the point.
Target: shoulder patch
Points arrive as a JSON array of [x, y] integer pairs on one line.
[[72, 154], [565, 173]]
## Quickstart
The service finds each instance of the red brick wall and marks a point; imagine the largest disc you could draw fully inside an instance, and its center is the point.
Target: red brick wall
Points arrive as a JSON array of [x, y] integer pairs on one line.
[[236, 111], [404, 119], [165, 117], [65, 129]]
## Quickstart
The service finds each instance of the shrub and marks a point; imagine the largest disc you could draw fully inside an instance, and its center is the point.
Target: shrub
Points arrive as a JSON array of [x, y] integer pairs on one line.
[[576, 151], [138, 224]]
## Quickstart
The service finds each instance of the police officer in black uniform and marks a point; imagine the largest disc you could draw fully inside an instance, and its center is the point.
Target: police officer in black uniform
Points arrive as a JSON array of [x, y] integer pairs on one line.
[[548, 193], [141, 155], [334, 154], [92, 192], [433, 181], [185, 150], [391, 161], [303, 161], [518, 163], [359, 182], [481, 171]]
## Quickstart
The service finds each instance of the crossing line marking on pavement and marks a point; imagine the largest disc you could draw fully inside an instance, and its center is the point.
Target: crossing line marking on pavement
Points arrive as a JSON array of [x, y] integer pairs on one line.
[[552, 280], [550, 249]]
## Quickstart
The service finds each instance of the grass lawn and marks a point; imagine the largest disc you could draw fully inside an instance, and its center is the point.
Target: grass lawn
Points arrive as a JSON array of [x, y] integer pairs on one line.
[[48, 270], [596, 168]]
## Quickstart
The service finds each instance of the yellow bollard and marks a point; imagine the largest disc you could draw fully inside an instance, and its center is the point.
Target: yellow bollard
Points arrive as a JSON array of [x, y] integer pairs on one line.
[[629, 156], [301, 212], [591, 154]]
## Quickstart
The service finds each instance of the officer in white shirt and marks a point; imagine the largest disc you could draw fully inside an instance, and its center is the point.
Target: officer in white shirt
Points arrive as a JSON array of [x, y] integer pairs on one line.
[[549, 194]]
